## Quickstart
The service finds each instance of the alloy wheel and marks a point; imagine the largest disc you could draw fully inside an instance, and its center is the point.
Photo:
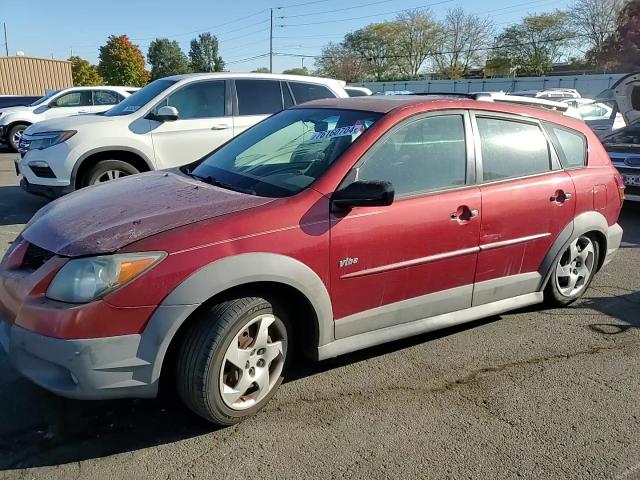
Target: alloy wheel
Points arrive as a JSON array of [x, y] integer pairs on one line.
[[110, 175], [253, 363], [575, 267]]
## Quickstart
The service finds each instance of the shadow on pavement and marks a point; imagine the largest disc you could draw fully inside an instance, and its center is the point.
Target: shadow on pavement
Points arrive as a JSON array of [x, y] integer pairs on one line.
[[16, 206]]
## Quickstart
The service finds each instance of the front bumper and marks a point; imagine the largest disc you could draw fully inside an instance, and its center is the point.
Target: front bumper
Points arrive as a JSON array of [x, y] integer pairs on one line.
[[48, 191], [90, 369]]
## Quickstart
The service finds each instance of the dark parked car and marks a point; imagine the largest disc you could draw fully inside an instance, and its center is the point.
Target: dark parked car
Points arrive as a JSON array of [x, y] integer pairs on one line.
[[16, 100]]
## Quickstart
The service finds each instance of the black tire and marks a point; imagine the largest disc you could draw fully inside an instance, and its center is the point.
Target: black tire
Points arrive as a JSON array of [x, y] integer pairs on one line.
[[202, 353], [12, 132], [101, 169], [553, 295]]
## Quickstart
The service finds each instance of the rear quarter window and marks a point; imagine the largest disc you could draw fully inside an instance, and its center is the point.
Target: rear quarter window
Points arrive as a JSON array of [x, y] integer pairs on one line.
[[305, 92], [570, 145]]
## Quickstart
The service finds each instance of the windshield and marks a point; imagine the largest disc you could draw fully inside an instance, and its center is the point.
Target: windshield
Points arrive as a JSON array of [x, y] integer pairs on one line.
[[139, 99], [284, 154], [44, 99]]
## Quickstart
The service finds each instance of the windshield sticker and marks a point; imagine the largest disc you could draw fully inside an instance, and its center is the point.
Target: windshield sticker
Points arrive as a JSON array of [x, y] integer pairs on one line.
[[338, 132], [132, 108]]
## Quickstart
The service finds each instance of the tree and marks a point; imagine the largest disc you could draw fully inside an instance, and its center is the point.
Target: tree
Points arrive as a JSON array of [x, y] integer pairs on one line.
[[122, 62], [84, 73], [535, 44], [338, 61], [203, 54], [415, 33], [297, 71], [594, 21], [376, 44], [621, 51], [462, 40], [261, 70], [166, 58]]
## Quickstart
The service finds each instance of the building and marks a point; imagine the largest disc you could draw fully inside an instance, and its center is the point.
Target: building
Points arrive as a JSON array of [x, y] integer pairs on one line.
[[33, 76]]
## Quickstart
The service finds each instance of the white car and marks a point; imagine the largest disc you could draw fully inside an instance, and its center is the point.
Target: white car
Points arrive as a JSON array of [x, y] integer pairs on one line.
[[354, 91], [171, 122], [555, 94], [56, 104], [603, 118]]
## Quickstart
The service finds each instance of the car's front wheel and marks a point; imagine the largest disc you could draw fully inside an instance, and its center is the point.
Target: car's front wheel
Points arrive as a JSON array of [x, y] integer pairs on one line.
[[232, 359], [573, 272], [107, 170], [14, 135]]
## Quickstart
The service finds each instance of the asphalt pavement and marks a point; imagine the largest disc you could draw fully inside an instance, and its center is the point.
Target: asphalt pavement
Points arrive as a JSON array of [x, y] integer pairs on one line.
[[537, 393]]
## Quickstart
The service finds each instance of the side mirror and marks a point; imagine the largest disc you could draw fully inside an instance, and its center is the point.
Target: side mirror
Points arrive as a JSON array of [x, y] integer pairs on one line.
[[167, 114], [365, 193], [52, 104]]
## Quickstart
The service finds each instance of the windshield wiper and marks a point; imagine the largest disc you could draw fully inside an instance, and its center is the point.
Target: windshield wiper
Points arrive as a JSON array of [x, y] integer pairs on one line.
[[212, 181]]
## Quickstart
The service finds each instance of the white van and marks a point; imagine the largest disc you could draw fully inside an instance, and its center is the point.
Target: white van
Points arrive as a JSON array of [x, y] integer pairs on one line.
[[172, 121]]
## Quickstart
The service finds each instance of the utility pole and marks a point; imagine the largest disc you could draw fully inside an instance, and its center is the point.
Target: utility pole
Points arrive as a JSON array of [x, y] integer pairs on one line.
[[270, 44], [6, 42]]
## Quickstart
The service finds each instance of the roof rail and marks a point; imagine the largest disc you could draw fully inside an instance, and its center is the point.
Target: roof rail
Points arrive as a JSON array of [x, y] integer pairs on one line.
[[501, 97]]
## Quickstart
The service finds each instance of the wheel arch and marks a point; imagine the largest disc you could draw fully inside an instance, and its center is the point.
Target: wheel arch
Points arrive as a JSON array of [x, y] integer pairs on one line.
[[91, 158], [13, 124], [591, 222], [216, 281]]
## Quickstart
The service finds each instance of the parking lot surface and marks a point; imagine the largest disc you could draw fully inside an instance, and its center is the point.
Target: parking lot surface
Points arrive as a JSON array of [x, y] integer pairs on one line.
[[533, 394]]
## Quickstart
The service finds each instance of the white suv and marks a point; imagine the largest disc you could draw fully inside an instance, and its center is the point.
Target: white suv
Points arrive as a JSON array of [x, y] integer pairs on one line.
[[171, 122], [56, 104]]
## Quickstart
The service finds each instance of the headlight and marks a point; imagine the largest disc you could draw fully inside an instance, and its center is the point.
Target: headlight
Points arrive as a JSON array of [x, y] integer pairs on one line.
[[40, 141], [86, 279]]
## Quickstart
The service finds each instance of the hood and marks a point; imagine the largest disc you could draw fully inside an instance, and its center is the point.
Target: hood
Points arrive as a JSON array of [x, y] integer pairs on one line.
[[74, 122], [626, 94], [107, 217], [18, 109]]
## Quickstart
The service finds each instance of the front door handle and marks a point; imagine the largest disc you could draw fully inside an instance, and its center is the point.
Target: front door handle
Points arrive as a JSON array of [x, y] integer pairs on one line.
[[221, 126], [464, 214], [559, 197]]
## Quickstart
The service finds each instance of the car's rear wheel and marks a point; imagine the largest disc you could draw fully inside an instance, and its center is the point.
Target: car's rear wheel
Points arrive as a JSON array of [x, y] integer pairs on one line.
[[107, 170], [14, 136], [232, 360], [573, 272]]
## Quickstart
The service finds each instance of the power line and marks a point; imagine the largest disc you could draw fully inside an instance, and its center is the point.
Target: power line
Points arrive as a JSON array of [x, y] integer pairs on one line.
[[338, 10], [366, 16], [299, 4], [242, 60]]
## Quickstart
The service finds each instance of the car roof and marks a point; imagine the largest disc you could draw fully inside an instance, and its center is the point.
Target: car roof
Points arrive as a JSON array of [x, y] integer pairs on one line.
[[386, 104], [257, 76]]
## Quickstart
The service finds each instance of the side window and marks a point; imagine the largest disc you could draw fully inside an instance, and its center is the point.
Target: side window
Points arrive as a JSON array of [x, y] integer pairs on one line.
[[570, 145], [305, 92], [286, 95], [258, 97], [199, 100], [424, 155], [511, 149], [105, 97], [74, 99]]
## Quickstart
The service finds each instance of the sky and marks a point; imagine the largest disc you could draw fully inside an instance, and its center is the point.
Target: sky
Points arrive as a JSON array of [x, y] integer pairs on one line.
[[55, 28]]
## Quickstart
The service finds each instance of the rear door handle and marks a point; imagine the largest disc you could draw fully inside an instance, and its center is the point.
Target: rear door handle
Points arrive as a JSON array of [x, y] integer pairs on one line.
[[222, 126], [560, 196]]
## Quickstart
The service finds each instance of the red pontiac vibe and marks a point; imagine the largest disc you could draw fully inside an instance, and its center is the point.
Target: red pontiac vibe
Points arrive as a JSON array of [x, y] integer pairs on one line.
[[329, 227]]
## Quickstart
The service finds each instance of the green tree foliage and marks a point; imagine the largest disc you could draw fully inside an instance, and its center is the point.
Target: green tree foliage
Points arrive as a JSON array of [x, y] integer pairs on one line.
[[261, 70], [84, 73], [594, 21], [204, 54], [296, 71], [166, 58], [338, 61], [122, 62], [621, 51], [534, 45], [376, 44], [415, 35]]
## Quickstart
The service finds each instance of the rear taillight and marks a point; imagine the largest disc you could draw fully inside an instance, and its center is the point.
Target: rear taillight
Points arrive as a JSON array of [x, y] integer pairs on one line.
[[620, 185]]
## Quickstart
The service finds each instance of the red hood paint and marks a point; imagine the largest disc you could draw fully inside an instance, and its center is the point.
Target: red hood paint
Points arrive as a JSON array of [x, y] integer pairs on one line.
[[105, 218]]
